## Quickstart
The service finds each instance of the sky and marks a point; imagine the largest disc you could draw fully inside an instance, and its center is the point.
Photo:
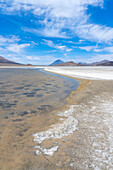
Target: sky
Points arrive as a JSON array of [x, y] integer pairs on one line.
[[42, 31]]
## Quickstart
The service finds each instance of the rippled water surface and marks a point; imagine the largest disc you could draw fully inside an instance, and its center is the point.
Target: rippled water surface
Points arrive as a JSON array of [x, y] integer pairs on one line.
[[24, 91], [28, 99]]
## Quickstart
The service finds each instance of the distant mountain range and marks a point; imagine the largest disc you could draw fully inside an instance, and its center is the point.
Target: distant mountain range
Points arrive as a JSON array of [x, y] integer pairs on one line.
[[71, 63], [103, 63], [5, 62]]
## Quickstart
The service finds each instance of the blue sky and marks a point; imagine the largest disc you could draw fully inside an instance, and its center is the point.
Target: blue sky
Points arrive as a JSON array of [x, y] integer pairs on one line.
[[41, 31]]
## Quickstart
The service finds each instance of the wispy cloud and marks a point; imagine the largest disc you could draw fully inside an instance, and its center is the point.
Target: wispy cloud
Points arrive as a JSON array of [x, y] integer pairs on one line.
[[11, 48], [106, 49], [17, 48], [87, 48], [56, 46], [46, 32], [8, 39], [62, 18], [94, 32], [68, 50], [97, 48], [32, 58]]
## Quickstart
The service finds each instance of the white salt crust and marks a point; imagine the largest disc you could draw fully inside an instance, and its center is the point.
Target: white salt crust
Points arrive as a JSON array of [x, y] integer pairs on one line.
[[57, 131], [94, 73], [49, 152], [97, 117]]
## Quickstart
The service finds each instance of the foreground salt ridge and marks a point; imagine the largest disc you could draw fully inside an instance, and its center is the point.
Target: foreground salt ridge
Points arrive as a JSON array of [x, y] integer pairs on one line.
[[67, 126], [93, 73]]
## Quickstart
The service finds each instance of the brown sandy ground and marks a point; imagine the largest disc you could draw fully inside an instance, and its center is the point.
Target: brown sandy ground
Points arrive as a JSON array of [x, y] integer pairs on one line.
[[89, 147]]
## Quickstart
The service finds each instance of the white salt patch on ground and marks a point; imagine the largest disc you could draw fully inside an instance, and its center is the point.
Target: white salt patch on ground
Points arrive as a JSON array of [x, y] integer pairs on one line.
[[45, 151], [97, 117], [94, 73], [57, 131]]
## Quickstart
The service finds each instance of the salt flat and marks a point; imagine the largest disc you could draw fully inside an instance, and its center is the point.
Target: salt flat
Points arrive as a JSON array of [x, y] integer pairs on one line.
[[93, 73], [79, 135], [94, 112], [85, 72]]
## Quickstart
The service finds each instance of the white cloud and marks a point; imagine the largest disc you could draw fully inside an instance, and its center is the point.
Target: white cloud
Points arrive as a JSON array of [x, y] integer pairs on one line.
[[49, 43], [57, 46], [32, 58], [11, 44], [76, 42], [47, 32], [95, 32], [107, 49], [8, 39], [55, 8], [87, 48], [62, 18], [68, 50], [60, 47], [51, 51], [70, 42], [17, 48], [97, 48], [81, 41]]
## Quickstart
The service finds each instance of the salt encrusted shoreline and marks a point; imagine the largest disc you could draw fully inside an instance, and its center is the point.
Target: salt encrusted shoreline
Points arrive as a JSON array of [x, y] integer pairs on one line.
[[97, 120], [92, 73], [67, 126], [96, 116]]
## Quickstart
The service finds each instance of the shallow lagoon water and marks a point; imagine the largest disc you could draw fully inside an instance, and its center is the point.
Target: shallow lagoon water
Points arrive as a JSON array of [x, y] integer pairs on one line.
[[32, 90], [28, 99]]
